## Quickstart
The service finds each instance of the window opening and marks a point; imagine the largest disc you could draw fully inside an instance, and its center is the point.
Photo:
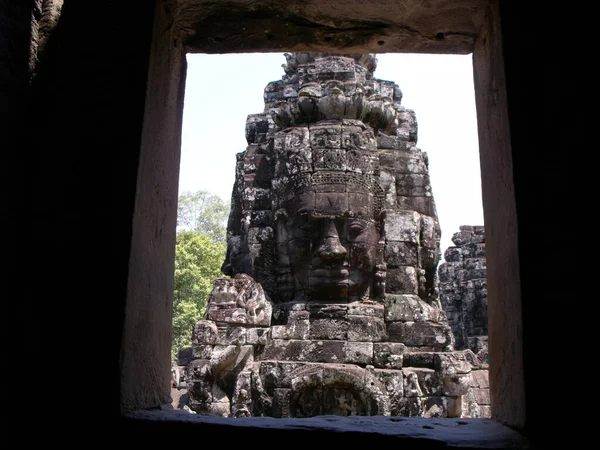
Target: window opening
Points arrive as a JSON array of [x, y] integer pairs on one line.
[[220, 104]]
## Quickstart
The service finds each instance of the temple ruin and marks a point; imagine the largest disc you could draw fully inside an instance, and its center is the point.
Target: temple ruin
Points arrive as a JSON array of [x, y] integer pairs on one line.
[[331, 305], [463, 290]]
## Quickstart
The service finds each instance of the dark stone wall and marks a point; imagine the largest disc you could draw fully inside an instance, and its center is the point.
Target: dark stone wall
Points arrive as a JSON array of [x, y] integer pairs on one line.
[[537, 88], [73, 161], [463, 289], [18, 25]]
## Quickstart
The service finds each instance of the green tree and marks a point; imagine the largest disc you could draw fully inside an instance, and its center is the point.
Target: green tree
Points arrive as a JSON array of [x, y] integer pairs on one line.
[[203, 212], [199, 254]]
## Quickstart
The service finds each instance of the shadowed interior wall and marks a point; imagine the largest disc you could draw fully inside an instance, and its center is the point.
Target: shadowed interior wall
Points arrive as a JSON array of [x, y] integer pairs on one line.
[[501, 230], [75, 169], [146, 372]]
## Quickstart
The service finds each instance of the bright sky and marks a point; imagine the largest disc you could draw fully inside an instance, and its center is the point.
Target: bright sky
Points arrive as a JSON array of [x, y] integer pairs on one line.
[[221, 90]]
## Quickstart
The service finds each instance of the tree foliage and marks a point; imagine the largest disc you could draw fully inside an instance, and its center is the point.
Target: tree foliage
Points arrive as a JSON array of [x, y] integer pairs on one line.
[[199, 254], [203, 212], [197, 262]]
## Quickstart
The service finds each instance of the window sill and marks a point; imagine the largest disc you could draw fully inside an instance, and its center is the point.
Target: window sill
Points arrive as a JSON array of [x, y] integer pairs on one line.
[[421, 432]]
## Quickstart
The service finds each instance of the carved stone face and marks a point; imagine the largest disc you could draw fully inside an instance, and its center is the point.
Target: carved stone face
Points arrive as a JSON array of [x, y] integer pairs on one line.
[[331, 242]]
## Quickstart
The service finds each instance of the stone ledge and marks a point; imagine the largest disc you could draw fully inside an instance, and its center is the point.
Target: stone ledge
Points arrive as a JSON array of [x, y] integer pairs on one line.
[[422, 433]]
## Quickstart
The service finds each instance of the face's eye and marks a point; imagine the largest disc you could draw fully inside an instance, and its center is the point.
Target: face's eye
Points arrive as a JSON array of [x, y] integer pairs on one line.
[[305, 224], [356, 227]]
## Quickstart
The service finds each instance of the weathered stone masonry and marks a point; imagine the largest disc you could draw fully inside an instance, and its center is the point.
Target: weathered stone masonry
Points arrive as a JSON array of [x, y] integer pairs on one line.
[[463, 293], [463, 289], [333, 246]]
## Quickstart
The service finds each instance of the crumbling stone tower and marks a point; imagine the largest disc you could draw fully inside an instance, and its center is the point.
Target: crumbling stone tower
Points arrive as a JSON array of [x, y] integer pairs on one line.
[[333, 245], [463, 289]]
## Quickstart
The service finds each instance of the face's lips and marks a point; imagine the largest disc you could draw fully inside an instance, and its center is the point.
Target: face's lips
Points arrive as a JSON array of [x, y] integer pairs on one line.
[[339, 272]]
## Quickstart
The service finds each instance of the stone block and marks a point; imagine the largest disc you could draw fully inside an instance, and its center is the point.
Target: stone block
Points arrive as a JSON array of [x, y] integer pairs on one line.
[[485, 411], [289, 91], [410, 407], [435, 407], [410, 308], [329, 159], [401, 254], [482, 396], [205, 332], [291, 350], [387, 181], [420, 334], [386, 88], [241, 403], [392, 142], [332, 329], [232, 357], [261, 218], [223, 314], [365, 309], [420, 204], [319, 351], [256, 124], [452, 254], [360, 203], [295, 139], [410, 163], [393, 382], [456, 385], [452, 362], [281, 403], [263, 168], [480, 379], [327, 310], [256, 198], [257, 336], [337, 374], [354, 138], [231, 335], [297, 327], [402, 280], [413, 185], [306, 375], [359, 162], [388, 355], [430, 381], [455, 406], [473, 250], [197, 370], [419, 359], [366, 329], [265, 148], [358, 352], [270, 374], [430, 232], [430, 257], [324, 135], [201, 351], [467, 236], [402, 226]]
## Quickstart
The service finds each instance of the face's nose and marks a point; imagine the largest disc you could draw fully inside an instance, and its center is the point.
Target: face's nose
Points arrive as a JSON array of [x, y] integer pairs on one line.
[[329, 247]]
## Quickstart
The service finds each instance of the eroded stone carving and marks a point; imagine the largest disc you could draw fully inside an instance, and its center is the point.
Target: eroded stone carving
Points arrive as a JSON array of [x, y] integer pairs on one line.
[[463, 289], [463, 292], [333, 246]]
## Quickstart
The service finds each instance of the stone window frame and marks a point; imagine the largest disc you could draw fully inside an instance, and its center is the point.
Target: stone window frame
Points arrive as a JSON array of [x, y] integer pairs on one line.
[[151, 279]]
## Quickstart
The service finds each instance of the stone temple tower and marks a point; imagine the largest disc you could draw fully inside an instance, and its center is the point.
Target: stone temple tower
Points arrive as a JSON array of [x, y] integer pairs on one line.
[[330, 305]]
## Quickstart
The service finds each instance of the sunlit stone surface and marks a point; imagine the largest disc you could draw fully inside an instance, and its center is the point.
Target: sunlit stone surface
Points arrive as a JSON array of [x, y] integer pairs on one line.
[[333, 247]]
